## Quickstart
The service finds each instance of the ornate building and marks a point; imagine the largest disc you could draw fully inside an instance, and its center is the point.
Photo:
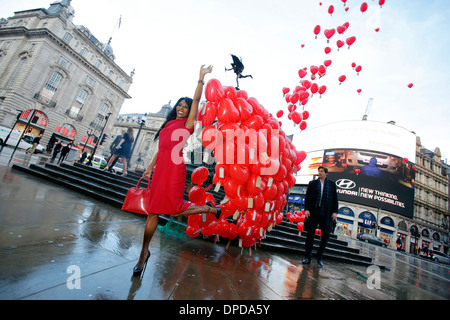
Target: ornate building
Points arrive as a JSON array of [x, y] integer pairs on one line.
[[430, 226], [57, 77]]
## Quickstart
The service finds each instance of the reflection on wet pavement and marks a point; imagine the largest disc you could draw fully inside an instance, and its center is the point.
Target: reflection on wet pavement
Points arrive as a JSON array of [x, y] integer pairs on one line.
[[46, 229]]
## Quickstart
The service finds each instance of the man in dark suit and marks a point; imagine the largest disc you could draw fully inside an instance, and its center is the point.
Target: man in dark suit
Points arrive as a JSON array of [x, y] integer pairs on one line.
[[321, 207]]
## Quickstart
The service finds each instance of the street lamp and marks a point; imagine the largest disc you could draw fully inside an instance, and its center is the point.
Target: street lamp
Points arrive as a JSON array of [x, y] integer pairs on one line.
[[96, 145], [141, 123]]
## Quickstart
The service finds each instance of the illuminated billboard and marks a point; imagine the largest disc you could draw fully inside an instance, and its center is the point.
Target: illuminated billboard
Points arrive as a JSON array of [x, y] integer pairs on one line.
[[372, 177]]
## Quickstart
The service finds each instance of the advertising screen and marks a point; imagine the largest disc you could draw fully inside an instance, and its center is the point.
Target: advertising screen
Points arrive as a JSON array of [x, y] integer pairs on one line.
[[381, 177]]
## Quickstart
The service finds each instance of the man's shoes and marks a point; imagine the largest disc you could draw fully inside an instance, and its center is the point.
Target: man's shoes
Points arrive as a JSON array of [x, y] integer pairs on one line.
[[306, 261], [320, 263]]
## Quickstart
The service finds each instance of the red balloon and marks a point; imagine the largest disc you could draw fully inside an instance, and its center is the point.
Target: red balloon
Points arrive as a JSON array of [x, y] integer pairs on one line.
[[199, 175], [302, 73], [314, 88], [305, 115], [405, 159], [340, 43], [306, 84], [197, 195], [327, 50], [300, 226], [214, 91], [280, 113], [301, 155], [327, 63], [239, 173], [303, 125], [192, 231], [227, 112], [342, 78], [316, 30], [381, 2], [350, 41], [358, 69], [314, 69], [410, 85], [322, 89], [296, 117], [341, 29], [286, 90], [359, 91], [364, 7], [331, 9], [329, 33], [209, 115], [245, 109]]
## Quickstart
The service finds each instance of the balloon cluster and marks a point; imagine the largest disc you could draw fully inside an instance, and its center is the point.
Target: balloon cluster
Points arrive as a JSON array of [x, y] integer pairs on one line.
[[297, 98], [299, 217], [255, 164]]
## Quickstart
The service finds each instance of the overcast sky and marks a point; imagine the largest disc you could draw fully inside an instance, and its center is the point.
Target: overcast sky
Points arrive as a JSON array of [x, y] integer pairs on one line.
[[167, 41]]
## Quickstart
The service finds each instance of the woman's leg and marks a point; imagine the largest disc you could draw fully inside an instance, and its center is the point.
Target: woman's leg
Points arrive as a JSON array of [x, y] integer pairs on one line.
[[124, 162], [150, 227], [110, 161], [194, 209]]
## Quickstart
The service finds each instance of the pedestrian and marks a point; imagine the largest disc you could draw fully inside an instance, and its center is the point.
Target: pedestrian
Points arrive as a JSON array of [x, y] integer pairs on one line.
[[56, 148], [31, 150], [321, 207], [83, 157], [169, 169], [64, 152], [122, 150]]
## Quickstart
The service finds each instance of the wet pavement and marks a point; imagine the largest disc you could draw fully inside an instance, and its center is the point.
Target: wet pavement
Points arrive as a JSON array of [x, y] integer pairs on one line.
[[58, 244]]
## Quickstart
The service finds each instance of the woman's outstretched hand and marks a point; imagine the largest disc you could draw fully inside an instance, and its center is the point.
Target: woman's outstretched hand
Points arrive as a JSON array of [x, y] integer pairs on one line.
[[205, 70]]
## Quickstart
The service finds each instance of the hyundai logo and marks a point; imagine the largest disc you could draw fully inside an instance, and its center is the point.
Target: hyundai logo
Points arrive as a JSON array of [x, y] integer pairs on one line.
[[345, 184]]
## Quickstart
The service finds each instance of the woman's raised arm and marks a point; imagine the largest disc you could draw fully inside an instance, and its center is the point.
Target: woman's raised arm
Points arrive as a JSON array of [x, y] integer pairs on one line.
[[197, 96]]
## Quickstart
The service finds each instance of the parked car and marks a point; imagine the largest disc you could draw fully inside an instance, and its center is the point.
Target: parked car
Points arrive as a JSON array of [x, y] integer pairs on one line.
[[97, 162], [370, 238], [13, 138], [439, 257]]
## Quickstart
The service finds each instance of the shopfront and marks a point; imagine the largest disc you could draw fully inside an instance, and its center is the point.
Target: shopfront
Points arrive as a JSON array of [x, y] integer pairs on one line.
[[345, 220], [366, 222], [387, 231]]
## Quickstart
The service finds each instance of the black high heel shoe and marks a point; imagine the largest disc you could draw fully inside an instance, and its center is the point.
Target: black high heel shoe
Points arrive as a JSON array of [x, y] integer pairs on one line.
[[137, 271], [218, 209]]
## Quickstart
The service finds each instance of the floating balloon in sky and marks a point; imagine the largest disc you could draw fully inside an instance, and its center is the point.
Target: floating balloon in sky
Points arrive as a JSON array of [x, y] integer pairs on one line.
[[359, 91], [328, 50], [358, 69], [331, 9], [302, 73], [350, 41], [410, 85], [381, 2], [364, 7], [316, 30], [342, 79], [329, 33], [340, 44]]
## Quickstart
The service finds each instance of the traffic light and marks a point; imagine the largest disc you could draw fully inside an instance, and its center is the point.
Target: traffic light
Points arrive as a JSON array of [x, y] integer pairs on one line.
[[104, 137]]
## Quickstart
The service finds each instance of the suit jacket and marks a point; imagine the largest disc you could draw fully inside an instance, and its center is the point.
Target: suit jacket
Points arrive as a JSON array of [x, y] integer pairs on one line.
[[329, 200]]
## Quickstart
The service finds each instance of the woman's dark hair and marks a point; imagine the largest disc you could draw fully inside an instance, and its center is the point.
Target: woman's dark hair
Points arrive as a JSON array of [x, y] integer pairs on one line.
[[173, 113]]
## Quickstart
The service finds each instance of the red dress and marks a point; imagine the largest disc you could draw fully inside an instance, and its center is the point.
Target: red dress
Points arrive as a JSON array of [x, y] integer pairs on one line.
[[169, 173]]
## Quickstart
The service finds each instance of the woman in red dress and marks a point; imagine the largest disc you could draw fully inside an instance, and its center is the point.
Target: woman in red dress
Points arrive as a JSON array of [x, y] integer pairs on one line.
[[169, 169]]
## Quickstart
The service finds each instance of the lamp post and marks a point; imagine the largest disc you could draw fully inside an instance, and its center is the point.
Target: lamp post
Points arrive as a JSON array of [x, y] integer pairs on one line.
[[21, 136], [141, 124], [96, 145]]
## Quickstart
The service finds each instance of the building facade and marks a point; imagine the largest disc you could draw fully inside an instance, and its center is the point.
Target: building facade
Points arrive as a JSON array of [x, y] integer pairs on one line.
[[57, 77], [403, 195]]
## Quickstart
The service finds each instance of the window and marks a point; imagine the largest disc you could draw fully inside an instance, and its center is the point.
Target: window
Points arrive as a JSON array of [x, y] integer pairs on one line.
[[52, 84], [98, 63], [74, 111], [111, 74], [63, 63], [121, 83], [84, 52], [90, 81], [67, 38], [103, 109]]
